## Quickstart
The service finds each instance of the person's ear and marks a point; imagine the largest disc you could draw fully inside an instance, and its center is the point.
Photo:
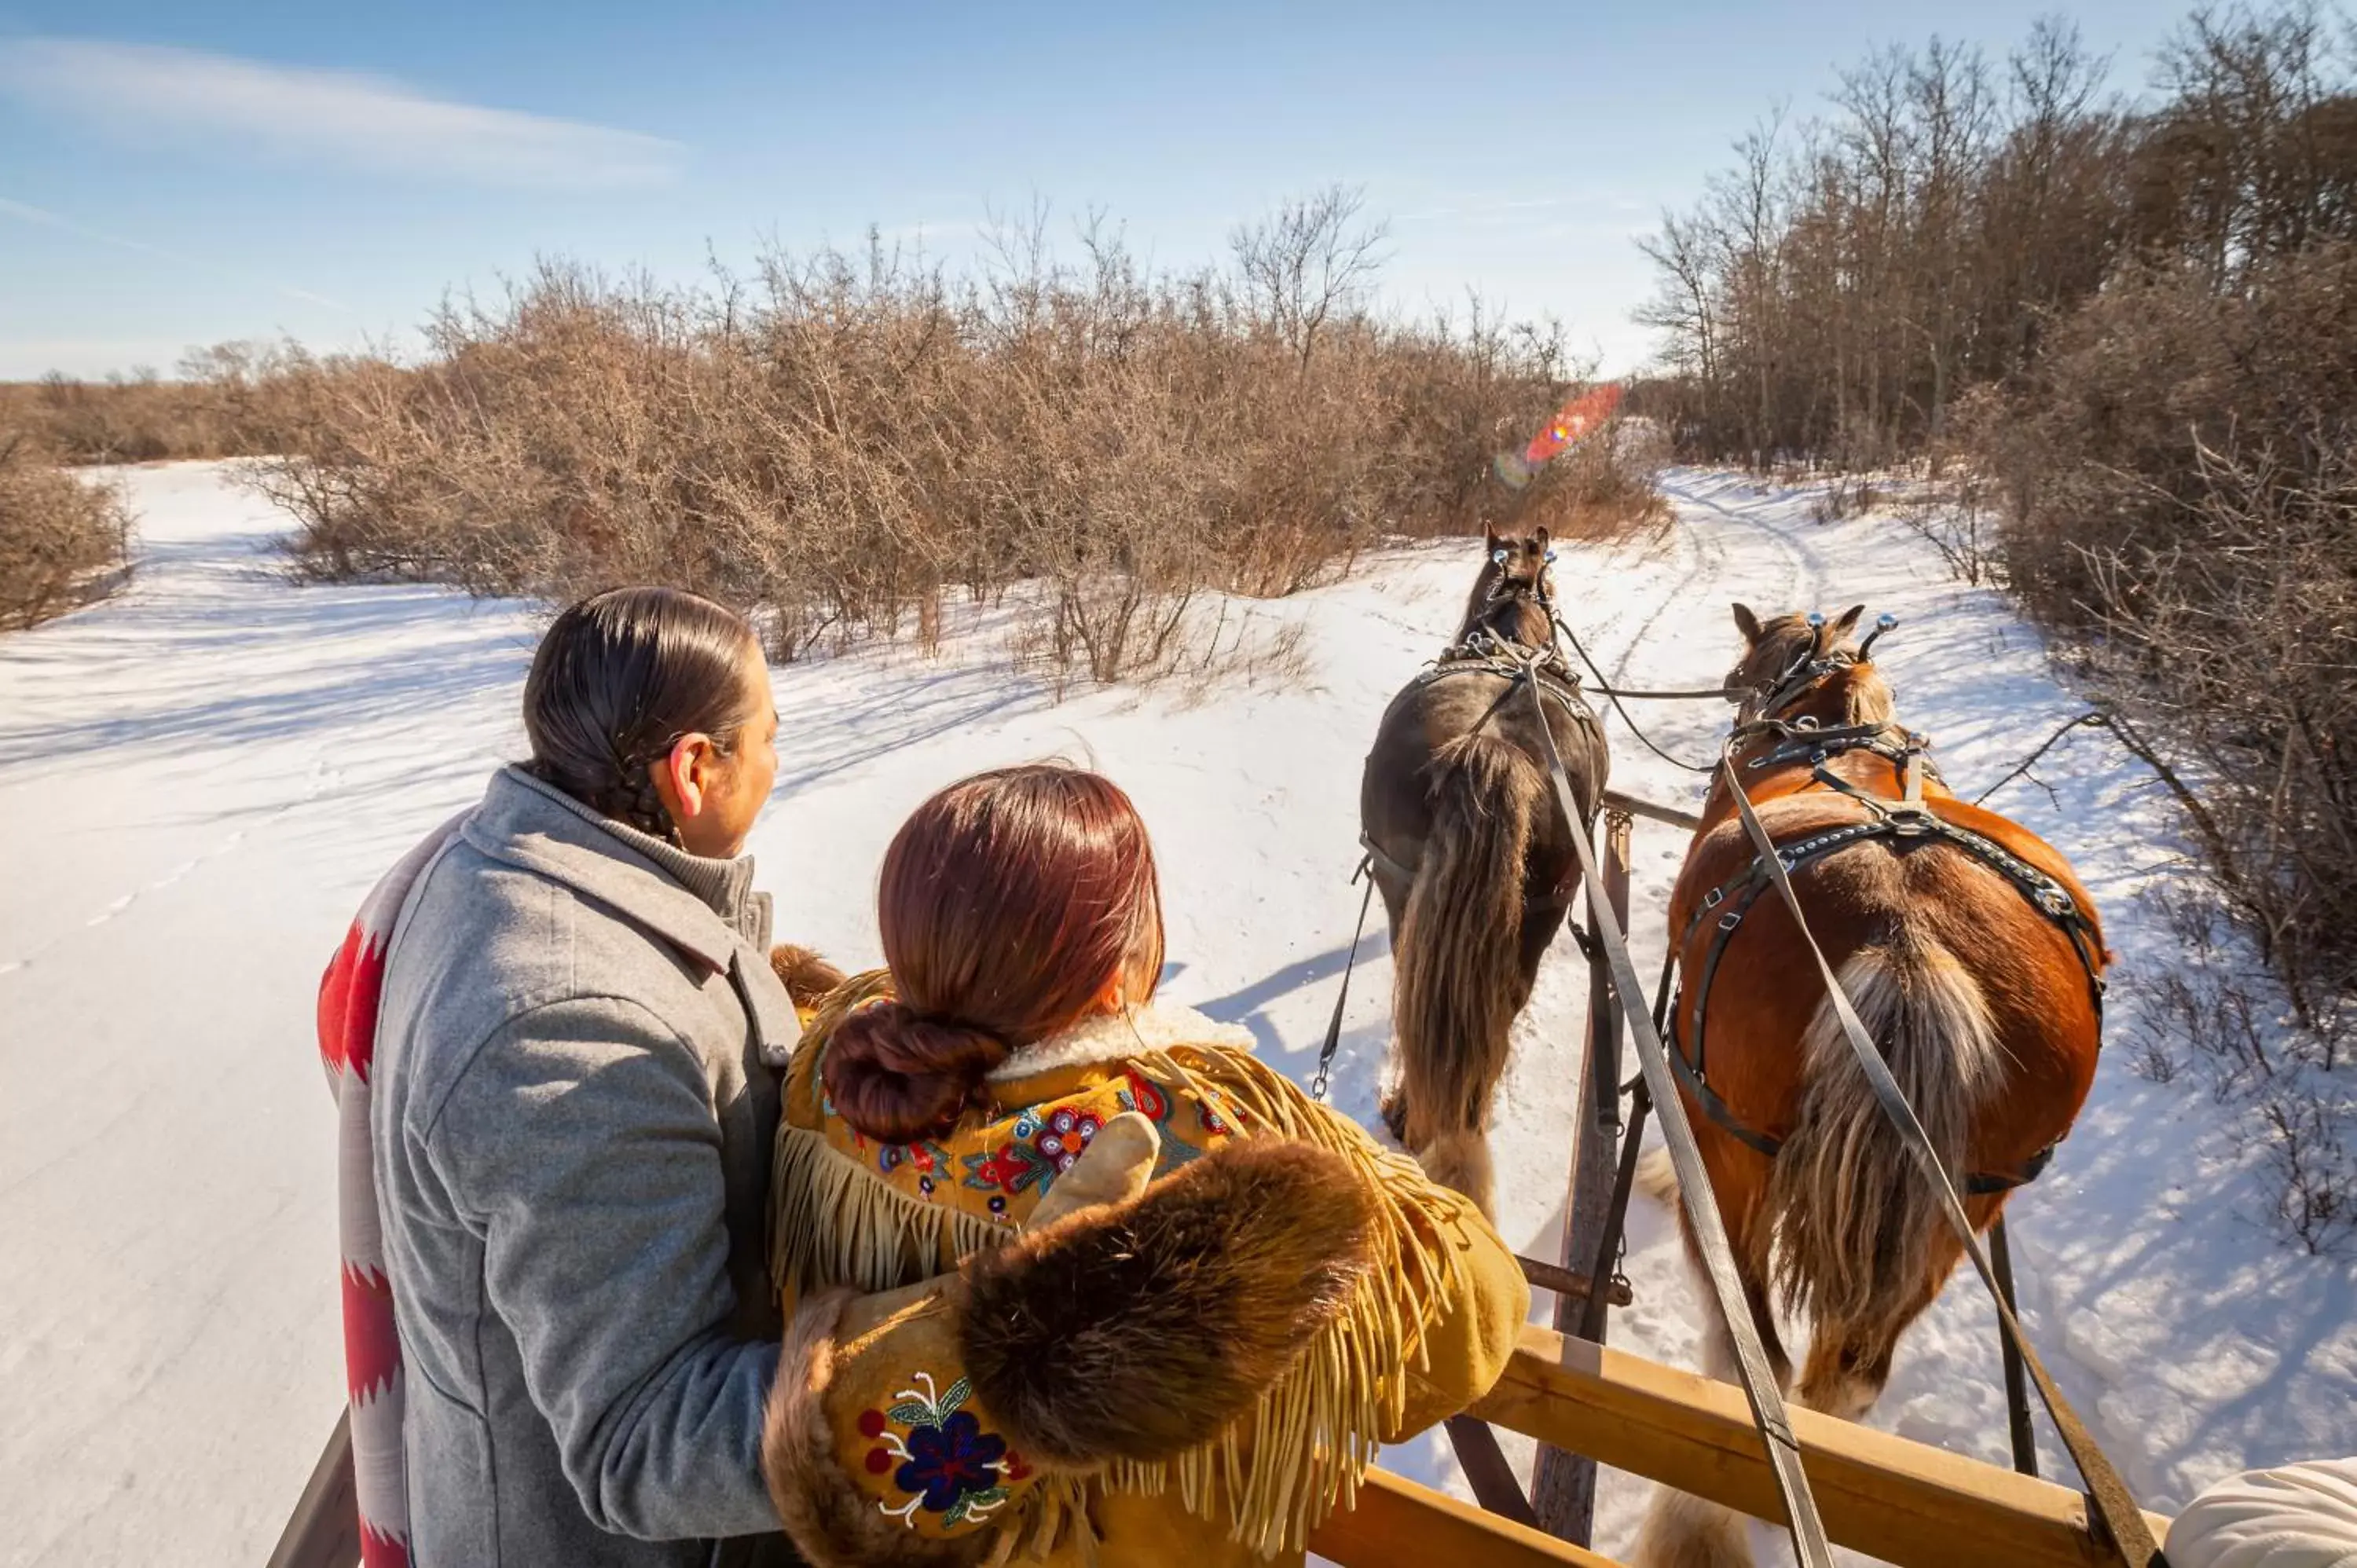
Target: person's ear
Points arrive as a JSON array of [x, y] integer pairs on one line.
[[686, 776]]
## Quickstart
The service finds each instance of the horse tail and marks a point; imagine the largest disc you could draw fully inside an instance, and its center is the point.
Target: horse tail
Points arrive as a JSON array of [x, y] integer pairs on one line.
[[1460, 980], [1855, 1218], [1657, 1176]]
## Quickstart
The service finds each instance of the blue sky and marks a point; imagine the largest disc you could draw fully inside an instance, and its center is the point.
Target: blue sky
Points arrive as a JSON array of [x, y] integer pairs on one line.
[[179, 174]]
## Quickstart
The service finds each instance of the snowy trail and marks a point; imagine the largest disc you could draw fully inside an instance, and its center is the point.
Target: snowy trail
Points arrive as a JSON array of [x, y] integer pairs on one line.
[[199, 779]]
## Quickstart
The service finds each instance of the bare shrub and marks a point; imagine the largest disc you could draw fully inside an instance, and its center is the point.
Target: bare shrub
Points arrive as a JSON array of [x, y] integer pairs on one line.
[[839, 441], [216, 405], [1843, 497], [2157, 1058], [1958, 510], [2313, 1172], [2283, 1074], [2182, 507], [1838, 288], [2288, 1104], [1600, 489], [63, 541], [1309, 261]]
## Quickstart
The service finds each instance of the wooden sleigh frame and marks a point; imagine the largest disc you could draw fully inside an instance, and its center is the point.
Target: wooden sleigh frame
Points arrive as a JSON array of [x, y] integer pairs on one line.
[[1908, 1503], [1905, 1502]]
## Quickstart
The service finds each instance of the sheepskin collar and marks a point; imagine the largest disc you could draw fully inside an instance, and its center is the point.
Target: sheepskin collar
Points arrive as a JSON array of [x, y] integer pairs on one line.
[[1114, 1036]]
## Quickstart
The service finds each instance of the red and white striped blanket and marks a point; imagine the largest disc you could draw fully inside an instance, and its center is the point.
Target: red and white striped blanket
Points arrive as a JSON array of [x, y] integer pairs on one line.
[[349, 994]]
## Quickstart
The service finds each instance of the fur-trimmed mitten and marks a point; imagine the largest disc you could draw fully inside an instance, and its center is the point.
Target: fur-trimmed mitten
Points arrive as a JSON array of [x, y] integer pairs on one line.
[[940, 1423], [1113, 1168]]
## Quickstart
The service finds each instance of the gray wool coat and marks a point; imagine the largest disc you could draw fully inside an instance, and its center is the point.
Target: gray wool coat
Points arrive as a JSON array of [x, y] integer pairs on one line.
[[572, 1128]]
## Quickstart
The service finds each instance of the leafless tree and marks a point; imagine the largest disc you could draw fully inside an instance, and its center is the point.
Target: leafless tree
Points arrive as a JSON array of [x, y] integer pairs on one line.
[[1311, 258]]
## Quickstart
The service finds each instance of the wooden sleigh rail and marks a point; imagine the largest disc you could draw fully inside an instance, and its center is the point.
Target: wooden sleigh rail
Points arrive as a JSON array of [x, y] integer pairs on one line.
[[1907, 1503], [1668, 816], [1399, 1522]]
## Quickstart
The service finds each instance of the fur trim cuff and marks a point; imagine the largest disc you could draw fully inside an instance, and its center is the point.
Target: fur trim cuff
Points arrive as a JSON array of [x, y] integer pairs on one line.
[[830, 1521], [806, 975], [1139, 1334]]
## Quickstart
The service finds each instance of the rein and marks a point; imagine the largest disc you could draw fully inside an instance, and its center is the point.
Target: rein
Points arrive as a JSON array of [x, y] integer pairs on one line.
[[1810, 1546], [1615, 696]]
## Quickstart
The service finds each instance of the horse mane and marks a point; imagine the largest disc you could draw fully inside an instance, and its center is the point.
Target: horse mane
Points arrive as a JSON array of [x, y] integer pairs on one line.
[[1510, 617], [1865, 695], [1477, 602]]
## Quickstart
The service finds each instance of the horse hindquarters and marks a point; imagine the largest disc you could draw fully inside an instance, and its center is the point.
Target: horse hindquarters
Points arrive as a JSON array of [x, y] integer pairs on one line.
[[1862, 1242], [1460, 980]]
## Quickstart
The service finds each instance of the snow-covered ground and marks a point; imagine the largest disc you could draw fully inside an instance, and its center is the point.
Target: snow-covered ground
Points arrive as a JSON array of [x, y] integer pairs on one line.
[[199, 779]]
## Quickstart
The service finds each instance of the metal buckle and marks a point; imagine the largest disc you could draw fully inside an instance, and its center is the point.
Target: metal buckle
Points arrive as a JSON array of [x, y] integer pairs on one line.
[[1910, 821], [1731, 919], [1713, 898]]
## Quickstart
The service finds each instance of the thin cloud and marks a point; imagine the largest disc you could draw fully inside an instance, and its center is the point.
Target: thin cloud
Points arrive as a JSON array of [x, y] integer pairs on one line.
[[24, 211], [1481, 207], [339, 117]]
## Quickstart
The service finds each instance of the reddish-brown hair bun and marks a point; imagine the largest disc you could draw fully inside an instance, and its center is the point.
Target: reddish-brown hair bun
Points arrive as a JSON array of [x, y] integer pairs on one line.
[[1011, 906]]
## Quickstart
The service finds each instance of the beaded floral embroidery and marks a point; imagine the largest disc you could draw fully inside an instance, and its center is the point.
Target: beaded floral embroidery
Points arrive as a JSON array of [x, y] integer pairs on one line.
[[998, 1169], [937, 1453]]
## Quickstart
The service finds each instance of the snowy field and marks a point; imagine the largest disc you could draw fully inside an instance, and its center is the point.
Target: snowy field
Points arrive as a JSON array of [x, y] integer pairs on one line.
[[200, 779]]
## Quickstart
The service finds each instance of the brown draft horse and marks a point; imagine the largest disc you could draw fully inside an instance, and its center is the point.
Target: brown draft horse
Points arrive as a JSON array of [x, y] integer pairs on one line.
[[1472, 857], [1986, 1006]]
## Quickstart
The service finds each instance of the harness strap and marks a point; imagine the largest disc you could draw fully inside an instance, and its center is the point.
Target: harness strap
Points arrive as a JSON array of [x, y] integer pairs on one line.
[[1610, 1247], [1380, 860], [1691, 693], [1744, 890], [1492, 1480], [2114, 1506], [1909, 816], [1718, 1110], [1709, 1230], [1980, 1184], [1334, 1025]]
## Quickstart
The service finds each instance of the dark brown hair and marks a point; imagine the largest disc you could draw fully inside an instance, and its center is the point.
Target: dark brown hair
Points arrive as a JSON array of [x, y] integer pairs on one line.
[[616, 682], [1009, 902]]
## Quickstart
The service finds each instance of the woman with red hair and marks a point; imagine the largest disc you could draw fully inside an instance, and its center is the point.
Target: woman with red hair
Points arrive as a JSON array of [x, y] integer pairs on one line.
[[936, 1108]]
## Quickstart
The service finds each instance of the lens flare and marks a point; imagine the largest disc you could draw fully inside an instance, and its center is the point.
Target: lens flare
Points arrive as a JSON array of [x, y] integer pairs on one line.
[[1511, 467], [1573, 422]]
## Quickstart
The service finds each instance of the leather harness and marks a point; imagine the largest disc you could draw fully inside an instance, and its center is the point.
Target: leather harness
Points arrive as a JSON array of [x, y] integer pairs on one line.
[[1482, 652], [1910, 817]]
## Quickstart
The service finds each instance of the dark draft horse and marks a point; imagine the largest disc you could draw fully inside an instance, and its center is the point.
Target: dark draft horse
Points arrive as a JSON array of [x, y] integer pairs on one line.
[[1977, 973], [1471, 854]]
